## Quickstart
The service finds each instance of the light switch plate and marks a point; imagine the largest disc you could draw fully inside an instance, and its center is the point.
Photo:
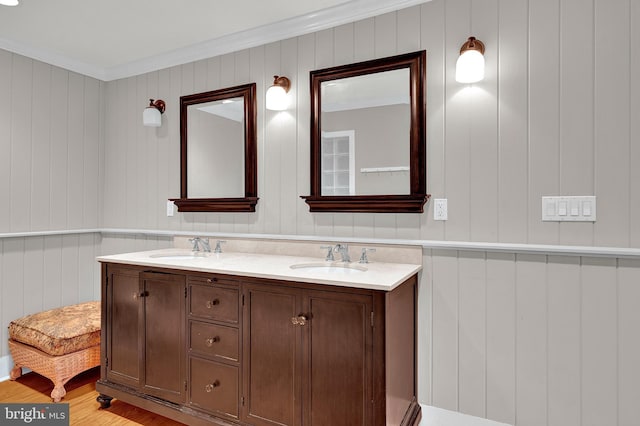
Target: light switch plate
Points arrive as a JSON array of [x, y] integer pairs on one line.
[[440, 209], [569, 209]]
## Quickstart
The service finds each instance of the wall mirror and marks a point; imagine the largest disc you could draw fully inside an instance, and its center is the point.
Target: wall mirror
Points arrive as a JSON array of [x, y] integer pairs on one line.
[[368, 144], [218, 153]]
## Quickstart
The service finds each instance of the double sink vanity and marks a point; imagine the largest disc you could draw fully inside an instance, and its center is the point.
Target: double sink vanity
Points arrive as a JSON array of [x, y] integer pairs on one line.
[[263, 333]]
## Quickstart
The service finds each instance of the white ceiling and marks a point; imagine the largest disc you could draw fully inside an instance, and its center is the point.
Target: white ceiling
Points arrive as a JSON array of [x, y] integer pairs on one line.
[[118, 38]]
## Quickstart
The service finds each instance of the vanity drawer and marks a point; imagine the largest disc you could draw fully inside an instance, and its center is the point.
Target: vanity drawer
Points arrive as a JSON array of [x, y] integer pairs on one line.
[[216, 303], [214, 340], [214, 387]]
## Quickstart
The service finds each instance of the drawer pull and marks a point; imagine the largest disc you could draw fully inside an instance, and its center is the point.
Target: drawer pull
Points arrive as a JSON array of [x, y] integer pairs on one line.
[[212, 280], [208, 388], [211, 340], [299, 320], [211, 303]]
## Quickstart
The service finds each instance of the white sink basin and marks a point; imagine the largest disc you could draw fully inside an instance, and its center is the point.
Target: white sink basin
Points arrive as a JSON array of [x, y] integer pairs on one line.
[[330, 267], [178, 256]]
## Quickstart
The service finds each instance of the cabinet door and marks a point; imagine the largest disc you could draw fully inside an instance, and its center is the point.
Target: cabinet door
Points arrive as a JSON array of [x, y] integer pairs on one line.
[[124, 312], [272, 356], [338, 375], [163, 335]]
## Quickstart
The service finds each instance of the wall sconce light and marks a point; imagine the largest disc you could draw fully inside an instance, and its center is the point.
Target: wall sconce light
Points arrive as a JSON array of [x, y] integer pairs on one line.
[[277, 98], [470, 64], [9, 2], [152, 115]]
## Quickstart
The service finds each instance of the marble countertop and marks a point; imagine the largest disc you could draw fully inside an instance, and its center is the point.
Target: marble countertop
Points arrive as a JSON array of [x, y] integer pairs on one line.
[[375, 276]]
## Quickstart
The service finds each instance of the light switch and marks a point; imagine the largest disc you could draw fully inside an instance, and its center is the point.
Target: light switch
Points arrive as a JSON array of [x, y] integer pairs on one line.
[[575, 208], [569, 208], [562, 208]]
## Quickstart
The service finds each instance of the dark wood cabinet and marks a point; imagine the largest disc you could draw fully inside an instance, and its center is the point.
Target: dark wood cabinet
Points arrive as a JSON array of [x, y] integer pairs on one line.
[[213, 349], [145, 336], [310, 357]]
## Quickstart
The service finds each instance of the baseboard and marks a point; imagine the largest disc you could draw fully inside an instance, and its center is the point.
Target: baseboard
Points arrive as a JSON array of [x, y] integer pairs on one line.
[[432, 416], [6, 364]]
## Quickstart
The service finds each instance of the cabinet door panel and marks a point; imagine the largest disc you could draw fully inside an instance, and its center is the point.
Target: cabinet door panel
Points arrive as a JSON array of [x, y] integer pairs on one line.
[[339, 374], [272, 356], [164, 323], [123, 316]]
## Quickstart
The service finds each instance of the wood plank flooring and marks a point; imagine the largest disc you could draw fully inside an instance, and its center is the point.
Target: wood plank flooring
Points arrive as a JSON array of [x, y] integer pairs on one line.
[[81, 396]]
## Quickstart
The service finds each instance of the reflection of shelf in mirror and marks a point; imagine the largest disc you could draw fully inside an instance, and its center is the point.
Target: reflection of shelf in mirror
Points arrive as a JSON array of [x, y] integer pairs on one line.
[[384, 169]]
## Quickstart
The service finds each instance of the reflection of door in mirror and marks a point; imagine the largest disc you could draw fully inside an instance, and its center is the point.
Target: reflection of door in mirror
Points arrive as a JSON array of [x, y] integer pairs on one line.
[[338, 163], [376, 106], [215, 153]]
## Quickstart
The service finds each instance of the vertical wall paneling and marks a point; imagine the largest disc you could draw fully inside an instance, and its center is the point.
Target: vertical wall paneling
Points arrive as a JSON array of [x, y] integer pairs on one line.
[[482, 116], [6, 59], [563, 340], [59, 148], [628, 393], [432, 40], [91, 190], [599, 351], [33, 274], [20, 153], [445, 347], [501, 337], [543, 119], [472, 339], [288, 144], [458, 137], [576, 111], [306, 63], [12, 294], [41, 147], [531, 341], [75, 151], [512, 103], [634, 125], [612, 44]]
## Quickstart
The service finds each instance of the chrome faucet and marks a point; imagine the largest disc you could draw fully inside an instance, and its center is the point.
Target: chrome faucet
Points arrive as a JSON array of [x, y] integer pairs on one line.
[[218, 248], [329, 249], [197, 241], [363, 256], [343, 249]]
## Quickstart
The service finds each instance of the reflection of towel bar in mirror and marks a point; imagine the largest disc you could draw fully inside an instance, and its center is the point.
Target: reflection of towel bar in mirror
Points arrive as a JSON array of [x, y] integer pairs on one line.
[[384, 169]]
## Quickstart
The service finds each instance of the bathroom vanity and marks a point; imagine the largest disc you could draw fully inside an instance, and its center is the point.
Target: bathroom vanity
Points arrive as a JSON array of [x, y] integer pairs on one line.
[[259, 339]]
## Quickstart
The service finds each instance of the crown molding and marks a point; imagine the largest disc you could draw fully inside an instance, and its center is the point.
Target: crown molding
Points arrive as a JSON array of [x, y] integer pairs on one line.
[[327, 18]]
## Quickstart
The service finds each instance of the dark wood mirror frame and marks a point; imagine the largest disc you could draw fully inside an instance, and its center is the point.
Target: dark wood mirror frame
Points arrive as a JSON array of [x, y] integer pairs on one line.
[[415, 200], [239, 204]]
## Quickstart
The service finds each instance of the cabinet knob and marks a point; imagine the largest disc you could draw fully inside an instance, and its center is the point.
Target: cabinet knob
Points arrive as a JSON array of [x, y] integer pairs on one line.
[[211, 340], [299, 320], [137, 295], [212, 280], [211, 303], [208, 388]]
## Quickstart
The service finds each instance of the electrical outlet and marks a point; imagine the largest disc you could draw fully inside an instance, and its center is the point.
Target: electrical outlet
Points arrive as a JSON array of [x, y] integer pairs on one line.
[[440, 209], [170, 209]]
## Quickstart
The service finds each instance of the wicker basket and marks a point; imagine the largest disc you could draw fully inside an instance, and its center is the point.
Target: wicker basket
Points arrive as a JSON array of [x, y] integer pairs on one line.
[[59, 369]]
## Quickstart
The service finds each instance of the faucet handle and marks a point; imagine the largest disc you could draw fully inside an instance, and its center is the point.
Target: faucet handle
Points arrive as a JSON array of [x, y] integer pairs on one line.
[[218, 248], [363, 256], [329, 249], [196, 243]]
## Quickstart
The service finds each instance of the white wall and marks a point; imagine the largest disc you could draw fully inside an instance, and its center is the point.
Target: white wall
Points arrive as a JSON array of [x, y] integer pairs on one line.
[[519, 338]]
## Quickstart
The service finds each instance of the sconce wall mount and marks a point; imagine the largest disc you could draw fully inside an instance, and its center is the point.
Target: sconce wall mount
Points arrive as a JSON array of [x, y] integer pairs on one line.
[[470, 64], [152, 115], [276, 97]]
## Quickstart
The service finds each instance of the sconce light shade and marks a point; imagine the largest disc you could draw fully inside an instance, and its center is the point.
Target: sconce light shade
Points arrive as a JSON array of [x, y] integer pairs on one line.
[[277, 98], [470, 64], [152, 115], [9, 2]]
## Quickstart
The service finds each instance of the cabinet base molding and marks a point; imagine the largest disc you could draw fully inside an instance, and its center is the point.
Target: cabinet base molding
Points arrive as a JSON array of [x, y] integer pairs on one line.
[[179, 413], [413, 415]]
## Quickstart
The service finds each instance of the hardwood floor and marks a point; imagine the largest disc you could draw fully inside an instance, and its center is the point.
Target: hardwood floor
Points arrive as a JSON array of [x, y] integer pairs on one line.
[[81, 396]]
